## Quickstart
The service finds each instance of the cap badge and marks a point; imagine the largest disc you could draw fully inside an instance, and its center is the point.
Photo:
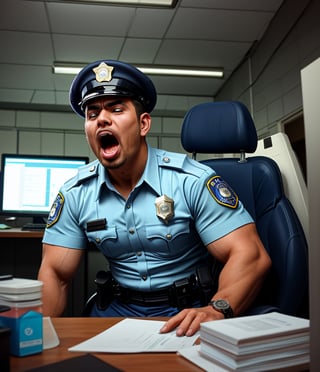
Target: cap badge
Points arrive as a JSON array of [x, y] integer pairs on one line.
[[103, 72], [164, 207]]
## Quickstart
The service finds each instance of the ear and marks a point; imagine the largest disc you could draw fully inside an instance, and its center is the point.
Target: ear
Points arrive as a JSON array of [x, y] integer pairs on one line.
[[145, 123]]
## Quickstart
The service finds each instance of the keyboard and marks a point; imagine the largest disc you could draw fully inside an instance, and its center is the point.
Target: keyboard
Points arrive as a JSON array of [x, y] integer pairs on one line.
[[31, 226]]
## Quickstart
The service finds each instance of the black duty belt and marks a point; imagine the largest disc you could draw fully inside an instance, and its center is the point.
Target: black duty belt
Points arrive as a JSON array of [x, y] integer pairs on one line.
[[181, 294]]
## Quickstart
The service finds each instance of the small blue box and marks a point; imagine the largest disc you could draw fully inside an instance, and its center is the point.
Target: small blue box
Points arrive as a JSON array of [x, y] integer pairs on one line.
[[26, 333]]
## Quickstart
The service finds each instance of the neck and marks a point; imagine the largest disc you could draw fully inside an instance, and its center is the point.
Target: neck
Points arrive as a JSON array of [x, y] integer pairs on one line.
[[125, 178]]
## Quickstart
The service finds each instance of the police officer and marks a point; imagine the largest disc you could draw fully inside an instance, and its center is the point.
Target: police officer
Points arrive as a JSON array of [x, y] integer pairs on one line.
[[156, 216]]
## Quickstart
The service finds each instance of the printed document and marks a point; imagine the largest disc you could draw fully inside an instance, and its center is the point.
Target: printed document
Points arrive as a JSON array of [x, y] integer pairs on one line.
[[135, 336]]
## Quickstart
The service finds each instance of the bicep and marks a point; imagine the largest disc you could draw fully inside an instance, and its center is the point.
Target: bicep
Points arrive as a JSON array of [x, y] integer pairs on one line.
[[61, 261], [243, 241]]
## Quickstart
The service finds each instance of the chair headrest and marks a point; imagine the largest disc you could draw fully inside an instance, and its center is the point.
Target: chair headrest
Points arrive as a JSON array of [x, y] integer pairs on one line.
[[219, 127]]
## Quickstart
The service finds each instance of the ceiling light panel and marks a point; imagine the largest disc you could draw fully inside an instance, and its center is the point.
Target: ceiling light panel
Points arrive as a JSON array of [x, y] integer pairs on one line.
[[136, 3]]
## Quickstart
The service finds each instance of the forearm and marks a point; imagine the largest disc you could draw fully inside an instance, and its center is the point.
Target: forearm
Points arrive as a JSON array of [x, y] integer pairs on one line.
[[240, 284], [246, 264]]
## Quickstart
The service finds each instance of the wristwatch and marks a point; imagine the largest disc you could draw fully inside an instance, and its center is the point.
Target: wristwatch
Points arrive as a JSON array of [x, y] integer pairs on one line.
[[223, 306]]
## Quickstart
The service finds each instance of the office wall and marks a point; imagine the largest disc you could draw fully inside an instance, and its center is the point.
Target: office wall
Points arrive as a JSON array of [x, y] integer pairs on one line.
[[269, 81]]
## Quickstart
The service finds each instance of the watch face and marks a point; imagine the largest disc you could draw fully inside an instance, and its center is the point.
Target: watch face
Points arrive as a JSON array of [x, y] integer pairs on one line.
[[221, 304]]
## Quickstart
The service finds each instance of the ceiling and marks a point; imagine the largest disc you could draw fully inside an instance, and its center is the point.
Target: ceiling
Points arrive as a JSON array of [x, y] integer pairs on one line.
[[203, 33]]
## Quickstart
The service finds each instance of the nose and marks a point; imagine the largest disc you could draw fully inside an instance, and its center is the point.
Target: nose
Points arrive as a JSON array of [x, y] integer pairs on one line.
[[104, 118]]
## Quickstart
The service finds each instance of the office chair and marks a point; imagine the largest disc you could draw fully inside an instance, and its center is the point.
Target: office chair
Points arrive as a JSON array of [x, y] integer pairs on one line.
[[227, 128], [278, 147]]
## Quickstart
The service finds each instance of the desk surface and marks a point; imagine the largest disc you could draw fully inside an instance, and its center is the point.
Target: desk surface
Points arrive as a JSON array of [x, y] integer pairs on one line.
[[72, 331], [18, 233]]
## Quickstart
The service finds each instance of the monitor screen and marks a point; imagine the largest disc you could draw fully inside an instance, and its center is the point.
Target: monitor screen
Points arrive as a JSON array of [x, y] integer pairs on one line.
[[30, 183]]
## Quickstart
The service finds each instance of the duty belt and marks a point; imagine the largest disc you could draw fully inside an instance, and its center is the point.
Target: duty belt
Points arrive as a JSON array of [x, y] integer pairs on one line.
[[181, 294]]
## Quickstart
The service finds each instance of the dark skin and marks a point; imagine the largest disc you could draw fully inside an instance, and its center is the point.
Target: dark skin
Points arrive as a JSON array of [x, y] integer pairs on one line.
[[116, 134]]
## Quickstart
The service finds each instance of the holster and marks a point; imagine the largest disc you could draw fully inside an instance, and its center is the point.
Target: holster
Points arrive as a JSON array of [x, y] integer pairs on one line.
[[104, 289], [208, 279]]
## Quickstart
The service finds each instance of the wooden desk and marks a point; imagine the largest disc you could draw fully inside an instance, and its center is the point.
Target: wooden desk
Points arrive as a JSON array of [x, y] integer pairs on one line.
[[72, 331], [18, 233]]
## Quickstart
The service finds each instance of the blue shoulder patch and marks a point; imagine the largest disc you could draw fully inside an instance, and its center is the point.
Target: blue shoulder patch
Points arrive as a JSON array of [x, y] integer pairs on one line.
[[222, 192], [55, 210]]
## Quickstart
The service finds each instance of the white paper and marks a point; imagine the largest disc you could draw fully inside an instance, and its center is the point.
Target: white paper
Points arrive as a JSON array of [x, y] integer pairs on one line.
[[192, 354], [255, 328], [135, 336]]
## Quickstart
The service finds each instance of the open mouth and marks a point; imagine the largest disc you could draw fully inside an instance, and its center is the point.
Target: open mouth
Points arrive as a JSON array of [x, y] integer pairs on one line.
[[109, 144]]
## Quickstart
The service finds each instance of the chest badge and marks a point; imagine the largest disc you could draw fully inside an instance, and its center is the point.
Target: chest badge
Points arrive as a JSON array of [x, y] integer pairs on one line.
[[164, 208]]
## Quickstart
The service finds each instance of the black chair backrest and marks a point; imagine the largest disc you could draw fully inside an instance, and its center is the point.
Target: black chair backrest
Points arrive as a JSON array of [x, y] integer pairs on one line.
[[227, 127]]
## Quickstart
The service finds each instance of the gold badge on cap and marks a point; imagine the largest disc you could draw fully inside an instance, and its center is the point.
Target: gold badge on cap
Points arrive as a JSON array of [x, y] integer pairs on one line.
[[164, 207], [103, 72]]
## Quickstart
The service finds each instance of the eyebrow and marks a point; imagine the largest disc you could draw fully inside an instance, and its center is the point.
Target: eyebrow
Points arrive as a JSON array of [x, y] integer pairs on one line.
[[94, 105]]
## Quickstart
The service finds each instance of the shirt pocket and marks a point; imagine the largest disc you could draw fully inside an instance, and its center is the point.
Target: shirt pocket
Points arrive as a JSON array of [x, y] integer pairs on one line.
[[168, 240], [105, 240]]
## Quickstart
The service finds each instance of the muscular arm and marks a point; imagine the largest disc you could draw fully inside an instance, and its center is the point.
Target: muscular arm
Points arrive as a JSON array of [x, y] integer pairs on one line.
[[58, 267], [245, 266]]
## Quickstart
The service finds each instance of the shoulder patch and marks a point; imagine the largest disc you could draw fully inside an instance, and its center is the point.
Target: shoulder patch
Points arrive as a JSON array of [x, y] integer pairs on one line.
[[222, 192], [56, 209]]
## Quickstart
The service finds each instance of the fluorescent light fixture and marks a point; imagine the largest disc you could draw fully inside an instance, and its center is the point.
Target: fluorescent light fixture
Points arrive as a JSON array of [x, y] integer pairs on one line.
[[142, 3], [73, 69]]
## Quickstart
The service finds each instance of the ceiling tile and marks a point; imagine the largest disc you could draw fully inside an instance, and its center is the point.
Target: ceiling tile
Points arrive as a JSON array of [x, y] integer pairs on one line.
[[189, 86], [201, 53], [90, 19], [25, 47], [211, 24], [23, 16], [150, 23], [148, 49], [86, 48]]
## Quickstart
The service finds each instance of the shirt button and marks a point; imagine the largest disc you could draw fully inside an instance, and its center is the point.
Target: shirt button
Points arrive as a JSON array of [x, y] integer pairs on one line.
[[166, 159], [169, 236], [128, 206], [131, 231], [144, 277], [139, 253], [98, 240]]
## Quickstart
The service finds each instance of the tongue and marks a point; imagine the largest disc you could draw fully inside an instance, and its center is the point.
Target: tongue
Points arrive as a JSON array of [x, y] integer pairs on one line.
[[110, 151]]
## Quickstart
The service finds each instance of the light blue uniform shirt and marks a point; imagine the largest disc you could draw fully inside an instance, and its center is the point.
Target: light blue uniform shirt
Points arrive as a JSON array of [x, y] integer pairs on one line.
[[144, 252]]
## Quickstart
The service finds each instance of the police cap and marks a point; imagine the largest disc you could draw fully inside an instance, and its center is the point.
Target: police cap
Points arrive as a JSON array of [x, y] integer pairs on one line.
[[111, 78]]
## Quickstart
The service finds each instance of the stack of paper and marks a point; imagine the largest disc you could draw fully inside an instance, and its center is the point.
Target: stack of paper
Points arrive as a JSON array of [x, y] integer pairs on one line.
[[256, 343]]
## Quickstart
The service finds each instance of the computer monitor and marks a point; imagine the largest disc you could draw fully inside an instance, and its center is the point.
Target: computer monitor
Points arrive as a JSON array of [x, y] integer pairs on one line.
[[30, 183]]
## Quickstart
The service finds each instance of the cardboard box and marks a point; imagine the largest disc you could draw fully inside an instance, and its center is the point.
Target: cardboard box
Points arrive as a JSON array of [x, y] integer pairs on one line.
[[21, 300], [26, 336]]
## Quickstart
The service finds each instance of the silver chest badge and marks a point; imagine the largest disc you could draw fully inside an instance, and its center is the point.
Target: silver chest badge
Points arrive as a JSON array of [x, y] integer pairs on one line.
[[164, 207]]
